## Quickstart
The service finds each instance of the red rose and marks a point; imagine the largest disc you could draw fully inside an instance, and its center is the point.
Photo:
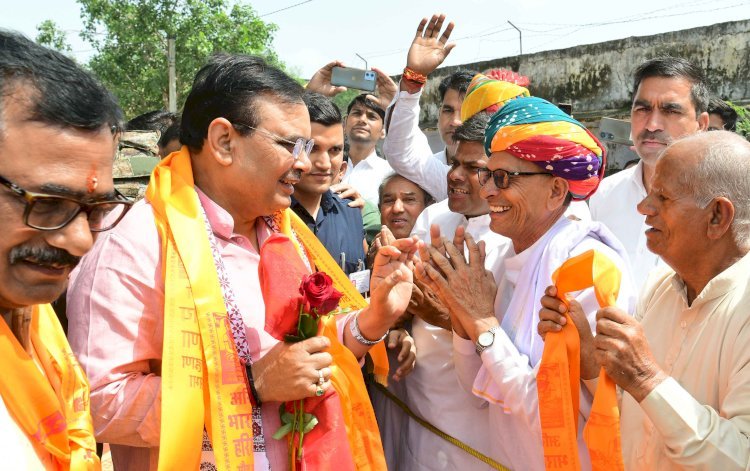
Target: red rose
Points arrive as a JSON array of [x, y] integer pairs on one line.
[[318, 292]]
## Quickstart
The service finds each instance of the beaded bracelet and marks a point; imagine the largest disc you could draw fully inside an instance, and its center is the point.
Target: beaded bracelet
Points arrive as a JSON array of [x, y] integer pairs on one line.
[[413, 76]]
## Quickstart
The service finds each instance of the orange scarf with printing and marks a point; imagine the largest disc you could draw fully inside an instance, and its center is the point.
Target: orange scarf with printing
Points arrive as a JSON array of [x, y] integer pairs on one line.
[[558, 379], [201, 370], [52, 405]]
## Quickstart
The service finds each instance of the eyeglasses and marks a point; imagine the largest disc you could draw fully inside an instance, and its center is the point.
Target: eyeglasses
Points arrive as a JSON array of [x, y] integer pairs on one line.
[[50, 212], [293, 147], [501, 177]]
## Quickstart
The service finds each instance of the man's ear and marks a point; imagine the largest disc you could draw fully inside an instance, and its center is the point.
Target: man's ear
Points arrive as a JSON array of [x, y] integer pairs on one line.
[[703, 121], [342, 172], [382, 132], [219, 141], [721, 217], [558, 192]]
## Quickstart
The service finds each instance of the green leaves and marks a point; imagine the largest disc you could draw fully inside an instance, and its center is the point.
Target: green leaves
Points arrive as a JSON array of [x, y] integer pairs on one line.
[[297, 422], [130, 37]]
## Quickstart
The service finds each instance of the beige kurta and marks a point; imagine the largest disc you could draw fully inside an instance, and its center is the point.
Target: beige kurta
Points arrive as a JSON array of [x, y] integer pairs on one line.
[[700, 417]]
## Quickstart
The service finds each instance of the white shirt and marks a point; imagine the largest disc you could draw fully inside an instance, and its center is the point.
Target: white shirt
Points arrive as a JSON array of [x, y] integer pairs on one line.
[[699, 418], [367, 175], [407, 149], [432, 388], [505, 375], [615, 204]]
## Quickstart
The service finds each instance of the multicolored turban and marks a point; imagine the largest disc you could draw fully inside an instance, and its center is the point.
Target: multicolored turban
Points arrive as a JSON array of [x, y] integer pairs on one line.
[[534, 129], [487, 94]]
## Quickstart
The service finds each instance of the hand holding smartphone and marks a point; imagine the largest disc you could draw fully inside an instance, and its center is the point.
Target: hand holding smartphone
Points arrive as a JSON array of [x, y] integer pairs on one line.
[[354, 78]]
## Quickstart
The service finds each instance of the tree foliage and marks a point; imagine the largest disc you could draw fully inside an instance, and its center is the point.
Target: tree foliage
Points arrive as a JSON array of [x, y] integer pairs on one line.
[[130, 37], [50, 35]]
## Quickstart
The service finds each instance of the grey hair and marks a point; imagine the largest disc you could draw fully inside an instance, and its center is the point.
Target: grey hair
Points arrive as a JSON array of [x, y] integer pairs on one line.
[[724, 171]]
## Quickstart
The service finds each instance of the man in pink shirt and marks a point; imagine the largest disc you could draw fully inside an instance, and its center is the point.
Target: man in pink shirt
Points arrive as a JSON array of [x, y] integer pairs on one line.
[[245, 130]]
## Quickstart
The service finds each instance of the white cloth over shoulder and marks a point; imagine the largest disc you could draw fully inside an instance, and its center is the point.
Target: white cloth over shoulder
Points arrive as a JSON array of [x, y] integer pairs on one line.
[[506, 373]]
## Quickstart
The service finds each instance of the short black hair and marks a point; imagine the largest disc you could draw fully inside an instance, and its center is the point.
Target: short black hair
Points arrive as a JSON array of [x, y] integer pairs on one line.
[[171, 133], [228, 86], [63, 94], [725, 112], [156, 120], [321, 109], [458, 81], [367, 103], [472, 130], [676, 67]]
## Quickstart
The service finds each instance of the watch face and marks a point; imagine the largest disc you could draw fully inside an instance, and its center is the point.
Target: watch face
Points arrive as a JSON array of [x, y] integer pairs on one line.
[[485, 339]]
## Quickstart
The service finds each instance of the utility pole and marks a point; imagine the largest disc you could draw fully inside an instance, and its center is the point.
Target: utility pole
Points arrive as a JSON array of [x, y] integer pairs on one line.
[[520, 39], [365, 60], [172, 74]]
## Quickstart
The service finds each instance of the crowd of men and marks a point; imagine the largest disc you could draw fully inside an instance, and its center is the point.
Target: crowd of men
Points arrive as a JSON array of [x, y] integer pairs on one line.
[[534, 314]]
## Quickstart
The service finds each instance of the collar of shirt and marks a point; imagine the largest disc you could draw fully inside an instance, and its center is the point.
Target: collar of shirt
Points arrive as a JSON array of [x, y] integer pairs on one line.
[[638, 178], [222, 223], [327, 204], [369, 161], [719, 285]]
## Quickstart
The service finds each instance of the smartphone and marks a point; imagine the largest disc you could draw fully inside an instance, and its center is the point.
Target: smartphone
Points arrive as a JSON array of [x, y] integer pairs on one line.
[[354, 78]]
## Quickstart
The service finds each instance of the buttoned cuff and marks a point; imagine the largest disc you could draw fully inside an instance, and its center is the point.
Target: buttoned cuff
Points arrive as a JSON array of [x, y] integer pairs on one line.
[[672, 410]]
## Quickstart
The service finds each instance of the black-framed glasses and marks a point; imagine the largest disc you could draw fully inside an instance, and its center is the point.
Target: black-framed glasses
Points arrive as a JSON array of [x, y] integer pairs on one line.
[[46, 212], [293, 147], [502, 177]]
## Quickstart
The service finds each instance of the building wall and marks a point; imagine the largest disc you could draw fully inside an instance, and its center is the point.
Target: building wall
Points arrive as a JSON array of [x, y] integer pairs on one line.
[[597, 78]]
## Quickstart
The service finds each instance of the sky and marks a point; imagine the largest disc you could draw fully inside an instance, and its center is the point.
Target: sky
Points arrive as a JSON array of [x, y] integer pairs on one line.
[[312, 33]]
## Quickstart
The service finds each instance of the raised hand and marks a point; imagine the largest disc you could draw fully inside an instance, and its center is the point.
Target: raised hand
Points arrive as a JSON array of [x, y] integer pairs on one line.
[[429, 48], [466, 288], [321, 81], [385, 89]]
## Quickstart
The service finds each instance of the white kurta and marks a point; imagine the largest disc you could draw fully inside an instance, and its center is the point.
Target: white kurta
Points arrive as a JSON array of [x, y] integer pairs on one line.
[[432, 389], [505, 375], [407, 149], [699, 418], [615, 204], [367, 175]]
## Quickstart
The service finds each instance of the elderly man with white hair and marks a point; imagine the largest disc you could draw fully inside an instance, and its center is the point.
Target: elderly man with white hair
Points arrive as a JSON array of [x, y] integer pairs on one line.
[[684, 361]]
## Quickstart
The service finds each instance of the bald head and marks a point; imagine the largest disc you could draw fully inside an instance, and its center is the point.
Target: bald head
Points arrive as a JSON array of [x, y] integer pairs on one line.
[[711, 165]]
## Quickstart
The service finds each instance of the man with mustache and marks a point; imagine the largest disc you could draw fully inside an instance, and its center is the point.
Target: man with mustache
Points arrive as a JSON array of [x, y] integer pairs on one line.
[[670, 101], [334, 223], [58, 130], [172, 314]]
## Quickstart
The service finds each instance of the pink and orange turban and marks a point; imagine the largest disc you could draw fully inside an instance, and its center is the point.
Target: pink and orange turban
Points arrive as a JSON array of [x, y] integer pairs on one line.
[[534, 129], [486, 94]]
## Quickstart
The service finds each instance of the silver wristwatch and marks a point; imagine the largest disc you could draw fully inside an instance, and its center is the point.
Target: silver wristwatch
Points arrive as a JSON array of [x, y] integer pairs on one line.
[[486, 339]]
